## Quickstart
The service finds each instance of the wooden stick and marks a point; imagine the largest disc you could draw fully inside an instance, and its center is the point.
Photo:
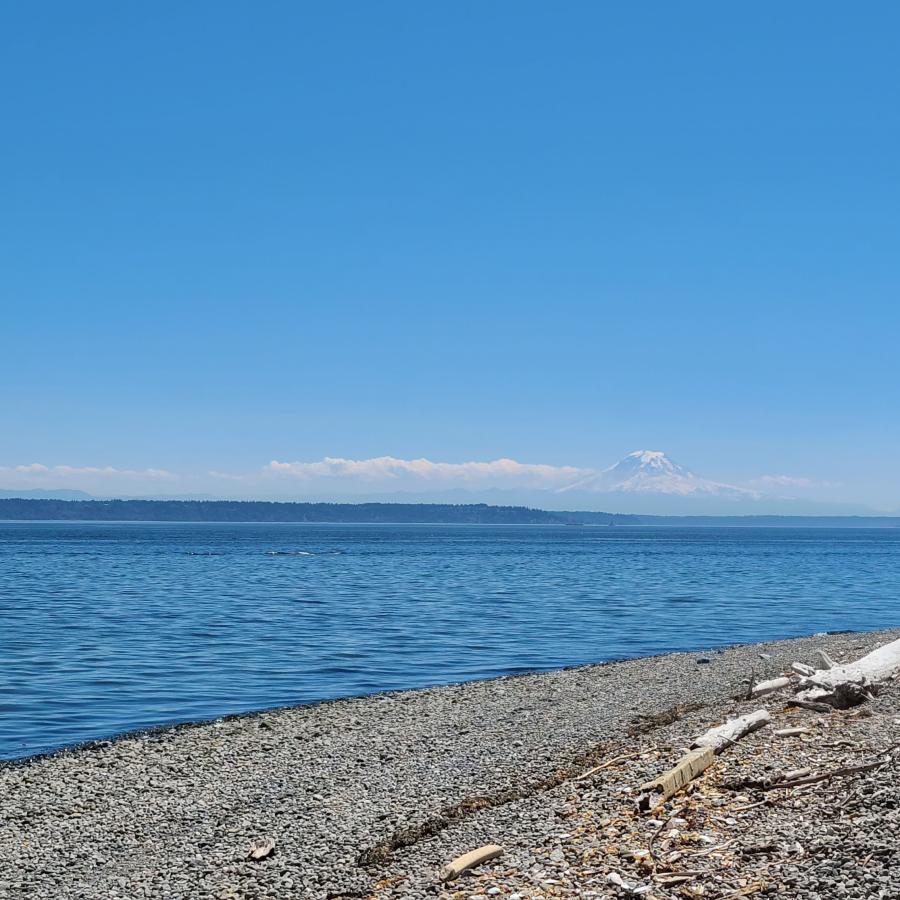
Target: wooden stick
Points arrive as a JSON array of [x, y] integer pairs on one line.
[[675, 814], [826, 776], [749, 806], [469, 860], [607, 764], [795, 773]]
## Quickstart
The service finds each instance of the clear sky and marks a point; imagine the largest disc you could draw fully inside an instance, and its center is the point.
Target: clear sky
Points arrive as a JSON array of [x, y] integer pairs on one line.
[[232, 233]]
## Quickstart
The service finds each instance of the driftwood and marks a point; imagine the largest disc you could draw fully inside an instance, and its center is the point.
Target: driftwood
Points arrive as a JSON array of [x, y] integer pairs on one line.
[[775, 779], [606, 765], [767, 687], [790, 732], [469, 860], [826, 776], [847, 685], [670, 783], [722, 736], [699, 758], [803, 669]]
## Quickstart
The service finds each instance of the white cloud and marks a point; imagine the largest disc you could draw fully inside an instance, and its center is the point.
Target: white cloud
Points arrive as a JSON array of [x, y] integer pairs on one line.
[[391, 469], [39, 475], [392, 473]]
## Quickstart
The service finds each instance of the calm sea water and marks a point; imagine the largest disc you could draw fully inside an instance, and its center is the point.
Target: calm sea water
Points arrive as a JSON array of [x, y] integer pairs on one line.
[[110, 627]]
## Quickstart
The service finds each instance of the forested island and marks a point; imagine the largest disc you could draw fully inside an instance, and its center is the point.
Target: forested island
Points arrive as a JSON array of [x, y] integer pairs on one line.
[[265, 511], [35, 510]]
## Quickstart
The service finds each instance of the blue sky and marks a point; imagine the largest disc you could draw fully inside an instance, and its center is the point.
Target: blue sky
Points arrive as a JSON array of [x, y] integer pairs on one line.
[[233, 233]]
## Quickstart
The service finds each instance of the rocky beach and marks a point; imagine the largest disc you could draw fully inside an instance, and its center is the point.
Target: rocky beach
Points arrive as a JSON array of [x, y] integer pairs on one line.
[[370, 797]]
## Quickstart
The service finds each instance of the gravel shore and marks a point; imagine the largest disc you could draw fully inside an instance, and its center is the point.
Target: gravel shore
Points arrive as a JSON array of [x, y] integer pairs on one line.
[[369, 797]]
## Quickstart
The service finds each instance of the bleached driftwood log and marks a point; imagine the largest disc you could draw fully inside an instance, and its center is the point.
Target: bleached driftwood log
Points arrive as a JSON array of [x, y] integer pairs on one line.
[[733, 730], [844, 686], [768, 687], [803, 669]]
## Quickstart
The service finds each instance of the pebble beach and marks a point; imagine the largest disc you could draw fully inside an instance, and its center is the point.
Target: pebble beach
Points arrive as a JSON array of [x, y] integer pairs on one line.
[[370, 797]]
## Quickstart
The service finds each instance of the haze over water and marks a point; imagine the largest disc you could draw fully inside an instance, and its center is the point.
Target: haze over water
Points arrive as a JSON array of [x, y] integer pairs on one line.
[[110, 627]]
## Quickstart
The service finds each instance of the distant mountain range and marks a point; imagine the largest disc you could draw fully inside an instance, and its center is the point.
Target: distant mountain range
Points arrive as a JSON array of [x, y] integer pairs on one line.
[[37, 494]]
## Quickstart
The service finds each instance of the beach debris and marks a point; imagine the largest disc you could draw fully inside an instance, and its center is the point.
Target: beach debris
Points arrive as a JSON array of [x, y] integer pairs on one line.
[[770, 686], [636, 889], [261, 850], [843, 772], [775, 779], [733, 730], [670, 783], [843, 686], [469, 860], [699, 758], [796, 773], [790, 732], [608, 764]]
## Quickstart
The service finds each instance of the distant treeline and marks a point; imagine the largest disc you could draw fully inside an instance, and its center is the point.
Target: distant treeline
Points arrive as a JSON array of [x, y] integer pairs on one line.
[[15, 509], [261, 511]]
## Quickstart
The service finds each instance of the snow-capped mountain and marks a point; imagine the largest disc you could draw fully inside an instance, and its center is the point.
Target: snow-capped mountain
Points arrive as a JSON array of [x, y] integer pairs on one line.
[[652, 472]]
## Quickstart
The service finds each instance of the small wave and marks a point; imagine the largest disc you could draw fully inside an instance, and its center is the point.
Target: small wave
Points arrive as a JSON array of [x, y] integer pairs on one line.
[[289, 553], [204, 553]]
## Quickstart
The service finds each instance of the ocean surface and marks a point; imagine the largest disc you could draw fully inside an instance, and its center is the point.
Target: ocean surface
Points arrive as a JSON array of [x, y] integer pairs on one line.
[[106, 628]]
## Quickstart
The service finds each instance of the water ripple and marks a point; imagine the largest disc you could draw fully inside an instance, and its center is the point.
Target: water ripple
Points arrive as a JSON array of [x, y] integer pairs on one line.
[[110, 627]]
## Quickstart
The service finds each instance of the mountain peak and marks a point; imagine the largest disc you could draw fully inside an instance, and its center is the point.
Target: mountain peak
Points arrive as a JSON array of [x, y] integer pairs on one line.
[[646, 455], [654, 460], [652, 472]]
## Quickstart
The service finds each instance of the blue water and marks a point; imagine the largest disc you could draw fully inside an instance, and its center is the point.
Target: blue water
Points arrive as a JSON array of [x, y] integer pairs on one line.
[[109, 627]]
